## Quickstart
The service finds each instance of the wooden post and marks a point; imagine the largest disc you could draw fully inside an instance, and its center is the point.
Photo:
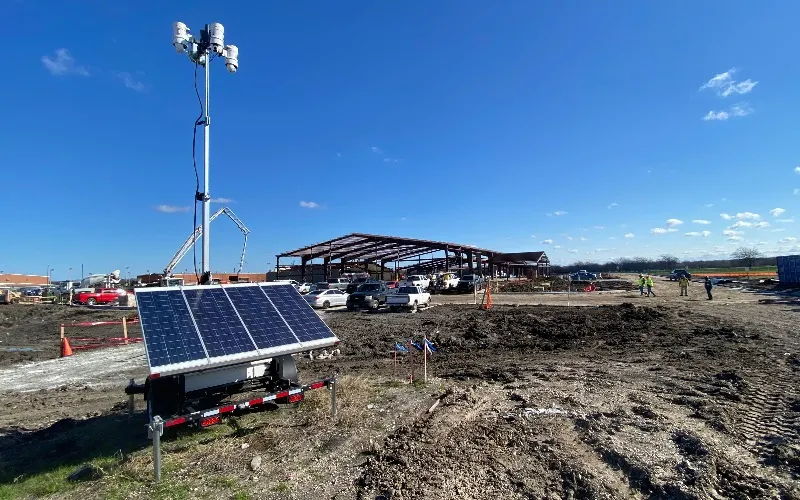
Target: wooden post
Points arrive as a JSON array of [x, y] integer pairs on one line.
[[62, 332], [125, 330]]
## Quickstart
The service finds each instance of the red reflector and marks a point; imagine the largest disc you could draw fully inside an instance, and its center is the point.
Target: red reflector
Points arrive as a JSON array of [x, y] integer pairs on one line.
[[257, 401], [177, 421], [154, 375], [282, 394], [294, 398], [210, 421], [317, 385], [227, 409]]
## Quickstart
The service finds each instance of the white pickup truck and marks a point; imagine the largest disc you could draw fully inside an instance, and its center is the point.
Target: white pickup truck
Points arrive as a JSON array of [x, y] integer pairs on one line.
[[416, 280], [408, 297]]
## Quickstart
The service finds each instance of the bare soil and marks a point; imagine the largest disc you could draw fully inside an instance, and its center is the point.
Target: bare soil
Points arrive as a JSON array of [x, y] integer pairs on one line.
[[625, 397]]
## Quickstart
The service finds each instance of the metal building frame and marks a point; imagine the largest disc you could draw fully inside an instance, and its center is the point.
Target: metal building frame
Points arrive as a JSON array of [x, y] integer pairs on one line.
[[362, 248]]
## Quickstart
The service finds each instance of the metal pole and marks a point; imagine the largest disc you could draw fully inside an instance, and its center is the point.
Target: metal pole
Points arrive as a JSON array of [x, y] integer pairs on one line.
[[206, 267], [333, 398], [155, 429], [131, 401]]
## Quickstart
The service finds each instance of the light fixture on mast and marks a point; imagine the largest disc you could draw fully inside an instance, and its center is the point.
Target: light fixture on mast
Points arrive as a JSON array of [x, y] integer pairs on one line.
[[201, 51]]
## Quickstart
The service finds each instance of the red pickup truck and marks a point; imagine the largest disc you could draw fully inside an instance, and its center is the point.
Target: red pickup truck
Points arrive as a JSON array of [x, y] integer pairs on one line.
[[99, 296]]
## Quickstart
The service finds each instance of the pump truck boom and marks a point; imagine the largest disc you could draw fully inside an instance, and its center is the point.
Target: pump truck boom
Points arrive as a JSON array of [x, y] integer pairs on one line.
[[198, 232]]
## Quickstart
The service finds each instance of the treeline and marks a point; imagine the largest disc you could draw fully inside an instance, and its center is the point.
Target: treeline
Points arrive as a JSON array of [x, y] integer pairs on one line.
[[664, 262]]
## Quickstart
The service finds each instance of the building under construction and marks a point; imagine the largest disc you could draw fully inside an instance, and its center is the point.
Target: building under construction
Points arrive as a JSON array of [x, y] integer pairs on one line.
[[384, 256]]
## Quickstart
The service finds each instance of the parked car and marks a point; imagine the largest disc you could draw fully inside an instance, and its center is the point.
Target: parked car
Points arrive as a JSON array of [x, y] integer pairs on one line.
[[32, 291], [99, 296], [326, 298], [469, 283], [408, 297], [338, 283], [677, 273], [304, 288], [583, 275], [368, 295], [416, 280], [392, 284]]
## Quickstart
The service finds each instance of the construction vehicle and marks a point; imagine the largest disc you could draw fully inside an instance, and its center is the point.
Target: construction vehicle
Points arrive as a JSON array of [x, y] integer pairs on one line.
[[8, 296], [167, 276]]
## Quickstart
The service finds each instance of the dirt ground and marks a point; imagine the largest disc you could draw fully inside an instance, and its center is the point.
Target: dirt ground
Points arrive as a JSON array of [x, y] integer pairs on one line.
[[625, 397]]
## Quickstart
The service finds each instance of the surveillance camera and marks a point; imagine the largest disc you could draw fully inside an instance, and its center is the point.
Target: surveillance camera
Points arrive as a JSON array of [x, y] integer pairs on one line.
[[180, 35], [232, 58], [216, 37]]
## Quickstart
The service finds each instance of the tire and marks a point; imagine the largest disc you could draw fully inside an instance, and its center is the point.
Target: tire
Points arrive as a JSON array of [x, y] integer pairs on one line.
[[414, 306], [350, 307], [91, 301], [394, 309], [326, 304]]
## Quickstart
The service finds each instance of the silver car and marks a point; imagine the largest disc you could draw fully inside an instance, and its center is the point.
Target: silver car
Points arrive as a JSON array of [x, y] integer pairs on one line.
[[326, 298]]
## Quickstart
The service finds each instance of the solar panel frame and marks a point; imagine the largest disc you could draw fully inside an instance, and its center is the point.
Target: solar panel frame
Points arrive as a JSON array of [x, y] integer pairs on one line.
[[248, 356]]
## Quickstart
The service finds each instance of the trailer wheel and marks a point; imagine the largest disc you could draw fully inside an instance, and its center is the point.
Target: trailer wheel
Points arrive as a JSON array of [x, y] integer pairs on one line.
[[91, 301], [284, 368]]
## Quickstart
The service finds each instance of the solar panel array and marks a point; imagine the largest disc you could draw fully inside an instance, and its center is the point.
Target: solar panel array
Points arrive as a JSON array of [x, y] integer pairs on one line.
[[193, 327]]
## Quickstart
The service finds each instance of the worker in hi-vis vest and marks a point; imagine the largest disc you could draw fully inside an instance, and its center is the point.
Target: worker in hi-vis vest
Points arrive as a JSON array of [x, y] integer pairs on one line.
[[684, 284]]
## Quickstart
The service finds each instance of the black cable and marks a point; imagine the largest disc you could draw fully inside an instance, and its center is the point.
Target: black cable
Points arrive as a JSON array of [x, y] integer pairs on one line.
[[197, 122]]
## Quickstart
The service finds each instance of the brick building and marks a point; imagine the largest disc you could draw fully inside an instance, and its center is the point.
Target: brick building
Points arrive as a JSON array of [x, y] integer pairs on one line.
[[22, 280]]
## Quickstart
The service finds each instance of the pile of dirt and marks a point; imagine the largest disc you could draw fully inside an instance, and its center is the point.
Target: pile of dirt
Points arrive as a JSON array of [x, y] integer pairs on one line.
[[31, 332], [553, 284]]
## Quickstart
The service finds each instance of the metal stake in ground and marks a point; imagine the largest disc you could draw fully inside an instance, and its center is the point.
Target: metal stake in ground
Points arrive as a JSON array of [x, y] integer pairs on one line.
[[333, 398], [154, 430]]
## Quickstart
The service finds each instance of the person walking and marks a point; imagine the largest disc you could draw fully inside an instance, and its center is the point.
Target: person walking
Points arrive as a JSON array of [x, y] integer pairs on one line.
[[708, 286], [684, 284], [641, 284], [649, 283]]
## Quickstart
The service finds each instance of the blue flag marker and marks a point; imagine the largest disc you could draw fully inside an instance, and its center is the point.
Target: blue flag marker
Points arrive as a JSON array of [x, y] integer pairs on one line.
[[417, 346], [400, 348], [429, 345]]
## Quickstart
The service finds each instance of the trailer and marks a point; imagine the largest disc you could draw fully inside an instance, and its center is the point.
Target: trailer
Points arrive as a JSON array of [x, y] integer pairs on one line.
[[207, 343]]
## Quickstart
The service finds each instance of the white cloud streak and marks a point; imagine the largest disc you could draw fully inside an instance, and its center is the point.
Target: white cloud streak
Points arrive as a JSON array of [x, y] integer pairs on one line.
[[736, 111], [630, 235], [725, 85], [612, 205], [546, 242], [309, 204], [63, 64], [557, 213], [170, 209], [222, 200], [130, 82], [777, 212], [701, 234], [701, 221], [376, 150], [658, 230], [674, 222]]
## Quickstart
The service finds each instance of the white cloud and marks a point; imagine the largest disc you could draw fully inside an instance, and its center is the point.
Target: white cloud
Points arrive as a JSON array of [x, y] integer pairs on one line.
[[777, 212], [716, 115], [573, 250], [672, 230], [747, 215], [130, 82], [762, 224], [734, 238], [785, 221], [556, 246], [741, 223], [630, 235], [614, 204], [170, 209], [557, 213], [731, 232], [702, 234], [392, 160], [599, 228], [533, 236], [658, 230], [797, 170], [583, 238], [674, 222], [701, 221], [546, 242], [612, 237], [221, 200], [788, 239], [708, 205], [376, 150], [778, 230], [63, 64], [726, 216], [725, 85], [309, 204]]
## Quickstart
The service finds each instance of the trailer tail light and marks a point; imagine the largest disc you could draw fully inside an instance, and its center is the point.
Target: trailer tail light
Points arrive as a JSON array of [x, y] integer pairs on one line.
[[153, 375], [296, 398], [317, 385], [174, 422], [208, 421]]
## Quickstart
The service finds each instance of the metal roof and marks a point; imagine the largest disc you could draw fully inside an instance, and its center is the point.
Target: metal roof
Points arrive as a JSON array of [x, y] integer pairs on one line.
[[521, 258], [374, 247]]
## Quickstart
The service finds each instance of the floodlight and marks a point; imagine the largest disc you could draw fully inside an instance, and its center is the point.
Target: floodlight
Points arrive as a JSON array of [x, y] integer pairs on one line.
[[180, 35], [232, 58], [216, 37]]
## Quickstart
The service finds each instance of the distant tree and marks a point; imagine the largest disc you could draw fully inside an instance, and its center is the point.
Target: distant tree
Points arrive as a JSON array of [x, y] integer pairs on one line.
[[747, 255], [668, 261]]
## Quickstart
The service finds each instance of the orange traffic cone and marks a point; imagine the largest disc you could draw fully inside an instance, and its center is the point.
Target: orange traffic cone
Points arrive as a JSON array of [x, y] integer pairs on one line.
[[488, 304], [66, 349]]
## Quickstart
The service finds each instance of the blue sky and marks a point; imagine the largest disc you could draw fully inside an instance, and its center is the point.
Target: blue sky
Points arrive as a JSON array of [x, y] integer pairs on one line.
[[511, 125]]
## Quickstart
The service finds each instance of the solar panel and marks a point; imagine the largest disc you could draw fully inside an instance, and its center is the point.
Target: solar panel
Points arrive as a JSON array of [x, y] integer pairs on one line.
[[298, 313], [220, 327], [196, 327], [171, 335], [260, 317]]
